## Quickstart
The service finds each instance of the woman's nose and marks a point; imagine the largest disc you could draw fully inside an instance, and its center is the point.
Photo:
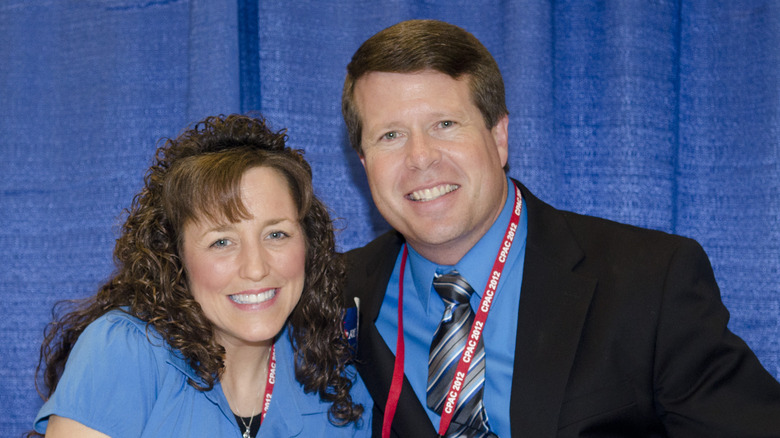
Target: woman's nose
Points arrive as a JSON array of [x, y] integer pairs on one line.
[[254, 263]]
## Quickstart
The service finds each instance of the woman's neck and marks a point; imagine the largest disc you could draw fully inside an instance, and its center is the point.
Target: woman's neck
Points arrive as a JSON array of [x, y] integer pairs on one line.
[[244, 378]]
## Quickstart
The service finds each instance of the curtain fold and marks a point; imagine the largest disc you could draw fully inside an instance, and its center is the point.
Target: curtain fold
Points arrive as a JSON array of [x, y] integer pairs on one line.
[[661, 114], [728, 187], [213, 59]]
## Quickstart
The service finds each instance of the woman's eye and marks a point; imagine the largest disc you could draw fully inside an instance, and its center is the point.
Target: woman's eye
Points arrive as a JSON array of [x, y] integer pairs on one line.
[[392, 135], [447, 123], [278, 235]]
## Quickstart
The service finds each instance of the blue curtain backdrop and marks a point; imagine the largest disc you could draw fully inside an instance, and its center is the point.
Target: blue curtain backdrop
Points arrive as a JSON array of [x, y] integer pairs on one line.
[[663, 114]]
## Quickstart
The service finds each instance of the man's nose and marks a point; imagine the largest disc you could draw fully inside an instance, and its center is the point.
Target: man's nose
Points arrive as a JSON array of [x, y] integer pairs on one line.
[[422, 151]]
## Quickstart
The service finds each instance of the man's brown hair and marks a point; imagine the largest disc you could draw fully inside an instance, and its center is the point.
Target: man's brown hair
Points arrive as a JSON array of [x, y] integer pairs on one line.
[[418, 45]]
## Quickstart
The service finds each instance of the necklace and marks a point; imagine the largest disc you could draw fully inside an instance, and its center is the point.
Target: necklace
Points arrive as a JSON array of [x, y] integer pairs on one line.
[[247, 426], [269, 370]]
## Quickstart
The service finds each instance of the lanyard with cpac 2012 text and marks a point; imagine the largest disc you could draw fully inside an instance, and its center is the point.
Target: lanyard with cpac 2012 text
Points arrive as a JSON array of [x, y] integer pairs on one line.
[[474, 335], [269, 384]]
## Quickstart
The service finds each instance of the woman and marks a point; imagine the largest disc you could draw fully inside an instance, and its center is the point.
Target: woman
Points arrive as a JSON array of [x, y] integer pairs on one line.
[[225, 306]]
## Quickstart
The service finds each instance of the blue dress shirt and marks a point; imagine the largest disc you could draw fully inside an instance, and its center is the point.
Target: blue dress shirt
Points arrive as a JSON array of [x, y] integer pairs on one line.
[[120, 382], [423, 309]]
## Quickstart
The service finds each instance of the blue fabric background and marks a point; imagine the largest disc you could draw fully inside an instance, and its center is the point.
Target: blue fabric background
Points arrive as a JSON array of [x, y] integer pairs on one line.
[[664, 114]]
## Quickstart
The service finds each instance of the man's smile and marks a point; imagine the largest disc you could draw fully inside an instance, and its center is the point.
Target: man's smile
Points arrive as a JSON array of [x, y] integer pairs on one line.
[[430, 194]]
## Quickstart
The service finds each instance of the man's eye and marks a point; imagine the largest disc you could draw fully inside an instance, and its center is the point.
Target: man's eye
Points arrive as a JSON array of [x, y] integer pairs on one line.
[[447, 123], [220, 243], [392, 135]]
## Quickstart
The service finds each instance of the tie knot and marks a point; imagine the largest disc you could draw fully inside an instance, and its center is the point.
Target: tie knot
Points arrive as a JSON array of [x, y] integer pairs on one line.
[[452, 287]]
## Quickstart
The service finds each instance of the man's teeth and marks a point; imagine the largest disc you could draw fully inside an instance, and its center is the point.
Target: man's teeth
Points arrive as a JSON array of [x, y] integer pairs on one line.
[[253, 298], [431, 194]]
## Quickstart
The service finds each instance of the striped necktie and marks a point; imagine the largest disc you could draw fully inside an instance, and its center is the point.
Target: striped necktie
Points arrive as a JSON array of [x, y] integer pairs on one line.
[[449, 341]]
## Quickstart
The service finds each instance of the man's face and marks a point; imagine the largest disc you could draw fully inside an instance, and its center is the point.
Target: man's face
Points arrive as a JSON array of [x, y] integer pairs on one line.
[[435, 170]]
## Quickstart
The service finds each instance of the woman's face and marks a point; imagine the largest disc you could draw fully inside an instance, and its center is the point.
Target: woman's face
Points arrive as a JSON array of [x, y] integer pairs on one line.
[[248, 276]]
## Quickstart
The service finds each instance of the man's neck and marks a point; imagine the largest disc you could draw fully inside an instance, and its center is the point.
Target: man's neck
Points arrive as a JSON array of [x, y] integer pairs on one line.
[[448, 253]]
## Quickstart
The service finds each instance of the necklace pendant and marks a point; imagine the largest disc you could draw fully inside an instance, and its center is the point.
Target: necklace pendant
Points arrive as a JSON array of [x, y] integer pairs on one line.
[[246, 434]]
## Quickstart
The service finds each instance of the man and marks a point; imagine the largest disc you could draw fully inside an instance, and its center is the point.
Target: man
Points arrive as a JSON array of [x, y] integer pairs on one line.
[[595, 328]]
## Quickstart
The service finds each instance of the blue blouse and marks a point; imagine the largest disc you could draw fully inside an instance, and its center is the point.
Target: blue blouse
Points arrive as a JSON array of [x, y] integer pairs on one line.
[[124, 381]]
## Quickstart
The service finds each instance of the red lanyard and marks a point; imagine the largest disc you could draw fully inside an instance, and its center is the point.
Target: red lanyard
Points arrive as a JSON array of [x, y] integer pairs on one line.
[[398, 366], [269, 384], [474, 335]]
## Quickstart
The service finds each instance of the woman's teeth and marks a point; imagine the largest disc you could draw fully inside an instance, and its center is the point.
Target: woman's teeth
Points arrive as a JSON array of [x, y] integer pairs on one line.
[[253, 298]]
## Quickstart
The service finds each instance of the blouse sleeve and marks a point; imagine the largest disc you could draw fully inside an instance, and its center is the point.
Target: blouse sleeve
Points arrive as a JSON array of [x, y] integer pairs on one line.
[[110, 379]]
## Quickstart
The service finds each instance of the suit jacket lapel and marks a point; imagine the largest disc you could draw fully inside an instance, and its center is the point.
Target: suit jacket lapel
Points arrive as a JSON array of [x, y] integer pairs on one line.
[[553, 306], [375, 360]]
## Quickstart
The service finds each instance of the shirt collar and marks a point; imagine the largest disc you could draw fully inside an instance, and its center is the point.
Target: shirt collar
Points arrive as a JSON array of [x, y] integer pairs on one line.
[[285, 390], [476, 265]]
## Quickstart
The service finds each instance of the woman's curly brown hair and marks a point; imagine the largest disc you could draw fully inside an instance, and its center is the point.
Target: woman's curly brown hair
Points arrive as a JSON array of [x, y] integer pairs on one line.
[[197, 174]]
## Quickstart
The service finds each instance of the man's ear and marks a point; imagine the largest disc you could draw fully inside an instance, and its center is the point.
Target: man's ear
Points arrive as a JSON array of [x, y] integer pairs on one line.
[[500, 134]]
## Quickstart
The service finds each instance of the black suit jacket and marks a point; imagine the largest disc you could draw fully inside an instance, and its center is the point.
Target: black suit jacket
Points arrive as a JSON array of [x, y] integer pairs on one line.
[[621, 332]]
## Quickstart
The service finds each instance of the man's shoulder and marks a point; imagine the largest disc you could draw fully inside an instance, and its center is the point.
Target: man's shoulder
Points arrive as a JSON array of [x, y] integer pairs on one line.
[[603, 230], [597, 235], [386, 245], [369, 267], [627, 248]]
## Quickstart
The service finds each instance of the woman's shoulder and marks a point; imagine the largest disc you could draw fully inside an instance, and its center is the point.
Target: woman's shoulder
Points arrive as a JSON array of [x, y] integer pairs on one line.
[[118, 319], [119, 327], [114, 358], [126, 341]]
